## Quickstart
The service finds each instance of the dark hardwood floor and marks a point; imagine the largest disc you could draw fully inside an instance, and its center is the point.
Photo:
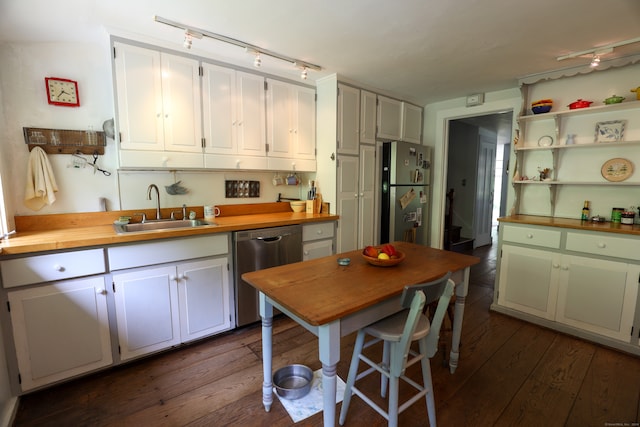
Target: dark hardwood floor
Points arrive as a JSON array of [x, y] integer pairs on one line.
[[511, 373]]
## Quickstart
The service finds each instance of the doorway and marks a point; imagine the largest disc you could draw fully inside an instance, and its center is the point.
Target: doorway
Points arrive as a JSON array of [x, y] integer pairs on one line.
[[476, 178]]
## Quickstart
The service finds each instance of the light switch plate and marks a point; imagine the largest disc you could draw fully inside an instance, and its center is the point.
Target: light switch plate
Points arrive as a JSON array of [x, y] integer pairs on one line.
[[475, 99]]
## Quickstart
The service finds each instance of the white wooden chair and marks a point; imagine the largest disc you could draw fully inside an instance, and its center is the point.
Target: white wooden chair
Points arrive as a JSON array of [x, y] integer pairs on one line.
[[398, 332]]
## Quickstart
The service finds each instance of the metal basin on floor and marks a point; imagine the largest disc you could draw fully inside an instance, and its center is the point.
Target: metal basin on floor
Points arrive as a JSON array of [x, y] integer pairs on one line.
[[153, 225]]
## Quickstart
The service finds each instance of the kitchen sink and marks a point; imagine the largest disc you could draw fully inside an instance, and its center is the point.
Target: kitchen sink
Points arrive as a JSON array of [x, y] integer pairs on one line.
[[163, 224]]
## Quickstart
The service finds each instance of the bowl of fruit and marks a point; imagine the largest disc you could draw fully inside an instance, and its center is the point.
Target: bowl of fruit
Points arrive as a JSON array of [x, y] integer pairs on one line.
[[382, 256]]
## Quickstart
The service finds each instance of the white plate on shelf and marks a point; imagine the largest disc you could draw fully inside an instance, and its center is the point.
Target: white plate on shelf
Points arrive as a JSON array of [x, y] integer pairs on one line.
[[545, 141]]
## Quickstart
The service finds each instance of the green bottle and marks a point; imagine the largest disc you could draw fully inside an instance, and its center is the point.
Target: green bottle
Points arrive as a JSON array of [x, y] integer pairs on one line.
[[585, 211]]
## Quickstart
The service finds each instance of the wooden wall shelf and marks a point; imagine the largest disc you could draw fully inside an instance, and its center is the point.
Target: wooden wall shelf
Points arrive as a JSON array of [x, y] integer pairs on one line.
[[61, 141]]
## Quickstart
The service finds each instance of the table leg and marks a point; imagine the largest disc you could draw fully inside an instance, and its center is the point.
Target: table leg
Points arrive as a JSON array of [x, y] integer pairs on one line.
[[458, 314], [266, 311], [329, 347]]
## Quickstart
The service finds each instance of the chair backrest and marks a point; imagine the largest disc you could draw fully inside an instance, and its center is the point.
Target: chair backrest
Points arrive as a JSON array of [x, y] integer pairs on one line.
[[415, 297]]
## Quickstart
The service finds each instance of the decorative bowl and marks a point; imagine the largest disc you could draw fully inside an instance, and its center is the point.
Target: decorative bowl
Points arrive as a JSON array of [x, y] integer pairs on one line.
[[293, 381], [298, 205], [539, 109], [385, 262], [542, 102]]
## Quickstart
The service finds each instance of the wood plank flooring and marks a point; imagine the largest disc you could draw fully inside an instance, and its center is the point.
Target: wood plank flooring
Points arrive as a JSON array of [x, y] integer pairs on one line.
[[510, 373]]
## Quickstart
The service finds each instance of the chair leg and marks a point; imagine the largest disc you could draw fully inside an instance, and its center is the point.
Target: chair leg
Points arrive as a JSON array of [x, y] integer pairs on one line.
[[385, 366], [427, 383], [393, 401], [351, 379]]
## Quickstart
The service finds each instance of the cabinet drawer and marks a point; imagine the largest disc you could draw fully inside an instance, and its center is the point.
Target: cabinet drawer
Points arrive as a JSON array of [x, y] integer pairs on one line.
[[323, 230], [138, 255], [531, 236], [48, 268], [604, 245]]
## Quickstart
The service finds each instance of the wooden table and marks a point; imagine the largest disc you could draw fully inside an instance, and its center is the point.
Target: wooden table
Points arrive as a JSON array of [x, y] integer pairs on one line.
[[332, 301]]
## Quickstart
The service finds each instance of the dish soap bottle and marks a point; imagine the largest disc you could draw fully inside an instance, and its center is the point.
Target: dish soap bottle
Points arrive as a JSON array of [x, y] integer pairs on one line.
[[585, 211]]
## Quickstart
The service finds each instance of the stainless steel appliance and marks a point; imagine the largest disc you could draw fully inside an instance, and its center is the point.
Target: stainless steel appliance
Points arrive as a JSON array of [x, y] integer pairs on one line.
[[405, 191], [258, 249]]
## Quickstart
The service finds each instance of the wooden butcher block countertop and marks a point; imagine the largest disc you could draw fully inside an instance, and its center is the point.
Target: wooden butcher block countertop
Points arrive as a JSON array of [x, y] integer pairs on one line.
[[576, 224], [39, 233]]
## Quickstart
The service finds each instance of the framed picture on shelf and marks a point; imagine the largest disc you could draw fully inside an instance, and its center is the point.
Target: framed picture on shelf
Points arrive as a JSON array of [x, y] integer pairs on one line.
[[612, 131]]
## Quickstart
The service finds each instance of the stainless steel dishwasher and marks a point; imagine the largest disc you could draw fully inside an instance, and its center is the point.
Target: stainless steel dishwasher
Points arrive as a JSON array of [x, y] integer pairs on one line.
[[258, 249]]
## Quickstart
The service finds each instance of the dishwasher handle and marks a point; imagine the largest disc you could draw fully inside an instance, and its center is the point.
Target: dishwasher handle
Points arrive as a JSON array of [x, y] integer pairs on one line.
[[273, 239]]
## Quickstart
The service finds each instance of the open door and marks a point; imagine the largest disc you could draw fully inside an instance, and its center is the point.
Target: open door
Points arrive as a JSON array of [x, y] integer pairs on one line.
[[485, 190]]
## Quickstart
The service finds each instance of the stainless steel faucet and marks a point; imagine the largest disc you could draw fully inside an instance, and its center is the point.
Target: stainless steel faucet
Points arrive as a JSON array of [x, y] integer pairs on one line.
[[155, 187]]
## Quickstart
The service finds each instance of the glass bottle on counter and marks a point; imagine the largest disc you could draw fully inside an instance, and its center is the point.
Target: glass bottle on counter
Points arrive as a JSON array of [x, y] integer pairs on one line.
[[585, 211]]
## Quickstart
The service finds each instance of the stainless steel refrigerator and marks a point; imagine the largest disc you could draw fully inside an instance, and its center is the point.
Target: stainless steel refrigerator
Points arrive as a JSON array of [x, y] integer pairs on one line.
[[406, 171]]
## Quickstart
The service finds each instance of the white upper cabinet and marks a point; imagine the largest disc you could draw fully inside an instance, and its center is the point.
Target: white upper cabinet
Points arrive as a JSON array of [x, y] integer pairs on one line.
[[158, 97], [389, 118], [291, 126], [234, 118], [368, 117], [348, 120], [411, 123]]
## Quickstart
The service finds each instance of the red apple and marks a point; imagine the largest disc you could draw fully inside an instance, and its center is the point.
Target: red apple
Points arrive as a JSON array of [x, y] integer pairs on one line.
[[370, 251]]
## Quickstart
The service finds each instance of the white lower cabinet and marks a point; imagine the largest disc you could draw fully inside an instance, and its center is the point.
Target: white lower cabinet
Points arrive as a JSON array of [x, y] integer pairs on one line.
[[528, 280], [318, 240], [593, 295], [60, 330], [159, 307], [598, 296]]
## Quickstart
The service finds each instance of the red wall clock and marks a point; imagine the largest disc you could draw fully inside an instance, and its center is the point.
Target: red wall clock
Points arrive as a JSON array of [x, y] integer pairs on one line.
[[62, 92]]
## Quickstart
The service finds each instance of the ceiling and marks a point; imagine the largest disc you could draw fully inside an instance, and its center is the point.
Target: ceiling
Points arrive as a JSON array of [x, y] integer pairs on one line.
[[420, 50]]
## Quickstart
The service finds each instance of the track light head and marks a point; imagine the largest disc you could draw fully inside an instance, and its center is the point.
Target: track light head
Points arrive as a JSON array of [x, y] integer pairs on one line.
[[257, 61], [303, 74], [595, 61]]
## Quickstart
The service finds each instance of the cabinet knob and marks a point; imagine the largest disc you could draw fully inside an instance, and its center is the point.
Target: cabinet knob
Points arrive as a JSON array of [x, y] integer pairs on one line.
[[529, 236], [166, 116], [319, 232], [555, 265], [565, 268], [173, 278], [306, 252], [182, 277], [158, 115], [101, 291], [602, 245], [58, 267]]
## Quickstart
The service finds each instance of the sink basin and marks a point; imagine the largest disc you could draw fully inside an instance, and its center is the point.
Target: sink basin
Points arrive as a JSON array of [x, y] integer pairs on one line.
[[163, 224]]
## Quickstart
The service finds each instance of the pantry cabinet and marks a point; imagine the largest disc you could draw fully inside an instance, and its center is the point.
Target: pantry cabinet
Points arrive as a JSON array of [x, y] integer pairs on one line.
[[158, 105], [348, 138], [389, 119], [291, 126], [368, 106], [234, 119]]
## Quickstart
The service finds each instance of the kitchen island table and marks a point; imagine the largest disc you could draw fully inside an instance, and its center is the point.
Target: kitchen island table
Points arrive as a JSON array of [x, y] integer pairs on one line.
[[332, 301]]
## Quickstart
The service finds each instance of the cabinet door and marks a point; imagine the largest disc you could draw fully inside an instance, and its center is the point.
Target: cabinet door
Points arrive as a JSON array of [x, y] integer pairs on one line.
[[528, 280], [347, 201], [389, 118], [367, 117], [304, 144], [219, 109], [146, 310], [598, 296], [317, 249], [181, 104], [60, 330], [366, 196], [280, 125], [348, 120], [250, 126], [203, 294], [411, 123], [139, 92]]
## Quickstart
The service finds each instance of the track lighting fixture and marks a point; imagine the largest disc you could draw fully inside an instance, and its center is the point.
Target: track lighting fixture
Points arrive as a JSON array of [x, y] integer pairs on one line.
[[191, 33], [596, 53], [188, 38]]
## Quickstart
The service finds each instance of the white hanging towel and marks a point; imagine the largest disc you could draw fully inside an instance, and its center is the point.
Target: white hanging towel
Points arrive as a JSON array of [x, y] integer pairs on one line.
[[41, 184]]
